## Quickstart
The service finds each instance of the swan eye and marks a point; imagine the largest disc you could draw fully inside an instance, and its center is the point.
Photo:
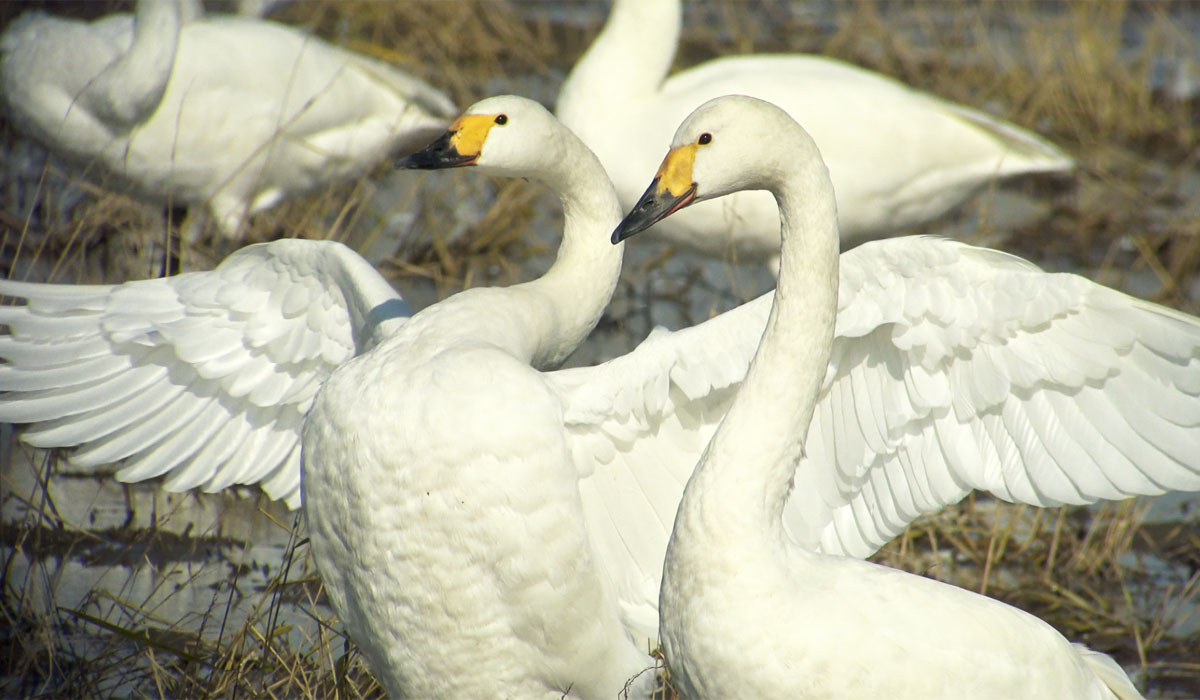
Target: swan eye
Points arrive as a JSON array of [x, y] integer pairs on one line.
[[705, 138], [502, 119]]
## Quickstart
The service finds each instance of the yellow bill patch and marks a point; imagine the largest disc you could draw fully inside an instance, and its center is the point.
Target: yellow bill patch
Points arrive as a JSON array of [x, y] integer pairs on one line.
[[469, 132], [675, 173]]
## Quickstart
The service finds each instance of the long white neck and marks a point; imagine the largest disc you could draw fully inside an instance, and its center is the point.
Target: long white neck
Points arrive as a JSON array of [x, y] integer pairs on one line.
[[129, 89], [628, 59], [544, 320], [741, 484], [580, 283]]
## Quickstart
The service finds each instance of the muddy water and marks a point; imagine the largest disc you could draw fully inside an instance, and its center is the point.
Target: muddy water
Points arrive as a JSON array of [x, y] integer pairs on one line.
[[89, 550]]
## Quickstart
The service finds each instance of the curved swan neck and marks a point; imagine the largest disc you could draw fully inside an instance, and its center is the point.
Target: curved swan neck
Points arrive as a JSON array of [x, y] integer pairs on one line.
[[743, 481], [541, 322], [629, 58], [581, 281], [129, 89]]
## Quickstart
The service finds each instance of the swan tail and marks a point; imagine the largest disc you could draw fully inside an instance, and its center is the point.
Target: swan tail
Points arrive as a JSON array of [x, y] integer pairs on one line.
[[1109, 672], [1027, 152]]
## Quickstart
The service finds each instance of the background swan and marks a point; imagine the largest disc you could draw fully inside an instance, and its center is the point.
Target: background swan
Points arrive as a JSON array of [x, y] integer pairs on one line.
[[745, 612], [898, 157], [634, 427], [228, 115]]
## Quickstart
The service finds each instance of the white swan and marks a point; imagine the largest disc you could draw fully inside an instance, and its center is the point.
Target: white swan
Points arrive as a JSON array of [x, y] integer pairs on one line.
[[745, 613], [443, 506], [230, 347], [898, 157], [228, 115], [198, 375]]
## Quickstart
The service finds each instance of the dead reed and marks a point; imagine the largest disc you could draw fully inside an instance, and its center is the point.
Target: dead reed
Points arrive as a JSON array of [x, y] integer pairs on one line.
[[1128, 215]]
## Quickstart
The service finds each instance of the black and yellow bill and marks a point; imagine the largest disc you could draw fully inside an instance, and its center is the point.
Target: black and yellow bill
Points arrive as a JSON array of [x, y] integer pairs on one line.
[[671, 190], [459, 146]]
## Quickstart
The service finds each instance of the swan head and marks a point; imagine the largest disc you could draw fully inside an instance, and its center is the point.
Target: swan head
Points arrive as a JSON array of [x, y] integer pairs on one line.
[[727, 145], [506, 135]]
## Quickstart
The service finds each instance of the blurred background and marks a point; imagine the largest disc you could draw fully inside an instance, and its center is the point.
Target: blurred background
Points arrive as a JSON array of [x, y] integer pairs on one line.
[[124, 590]]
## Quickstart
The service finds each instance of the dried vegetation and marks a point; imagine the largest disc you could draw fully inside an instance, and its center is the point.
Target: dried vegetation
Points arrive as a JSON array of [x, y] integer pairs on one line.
[[1129, 217]]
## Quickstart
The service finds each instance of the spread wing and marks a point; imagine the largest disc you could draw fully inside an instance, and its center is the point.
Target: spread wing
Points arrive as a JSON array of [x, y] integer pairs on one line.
[[959, 368], [954, 368], [636, 427], [205, 377]]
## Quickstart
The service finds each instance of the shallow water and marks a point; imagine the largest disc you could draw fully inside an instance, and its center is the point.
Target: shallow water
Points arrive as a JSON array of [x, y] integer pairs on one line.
[[140, 558]]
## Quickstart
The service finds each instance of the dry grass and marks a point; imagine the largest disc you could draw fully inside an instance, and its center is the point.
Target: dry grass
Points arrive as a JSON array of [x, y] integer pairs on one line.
[[1131, 208], [1104, 578]]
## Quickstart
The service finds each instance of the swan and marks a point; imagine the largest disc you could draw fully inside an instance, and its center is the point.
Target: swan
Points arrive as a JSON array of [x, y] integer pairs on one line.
[[229, 376], [228, 115], [168, 364], [745, 612], [443, 507], [899, 158]]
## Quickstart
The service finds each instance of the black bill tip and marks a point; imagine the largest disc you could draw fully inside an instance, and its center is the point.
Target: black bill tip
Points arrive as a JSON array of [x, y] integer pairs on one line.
[[436, 156], [654, 206]]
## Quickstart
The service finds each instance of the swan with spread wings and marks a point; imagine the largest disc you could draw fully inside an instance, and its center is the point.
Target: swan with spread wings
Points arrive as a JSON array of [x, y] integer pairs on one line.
[[518, 494]]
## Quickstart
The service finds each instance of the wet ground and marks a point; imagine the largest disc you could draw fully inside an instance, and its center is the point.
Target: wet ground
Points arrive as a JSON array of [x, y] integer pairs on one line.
[[130, 573]]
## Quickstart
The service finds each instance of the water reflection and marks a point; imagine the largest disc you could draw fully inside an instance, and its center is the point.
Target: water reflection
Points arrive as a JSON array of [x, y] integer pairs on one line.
[[122, 568], [102, 557]]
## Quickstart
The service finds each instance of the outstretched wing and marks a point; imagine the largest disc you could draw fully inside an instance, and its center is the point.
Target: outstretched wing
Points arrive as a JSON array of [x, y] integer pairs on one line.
[[636, 427], [957, 368], [204, 377], [954, 368]]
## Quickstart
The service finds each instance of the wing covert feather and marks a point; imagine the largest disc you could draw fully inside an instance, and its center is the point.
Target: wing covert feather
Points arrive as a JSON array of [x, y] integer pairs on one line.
[[954, 368], [636, 426], [204, 377], [979, 371]]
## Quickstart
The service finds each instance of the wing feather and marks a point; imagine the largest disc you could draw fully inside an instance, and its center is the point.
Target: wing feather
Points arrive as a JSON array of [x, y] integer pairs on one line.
[[635, 427], [285, 476], [204, 377], [92, 396], [96, 424], [990, 374], [954, 368], [143, 437], [15, 378], [191, 432], [23, 354], [227, 440]]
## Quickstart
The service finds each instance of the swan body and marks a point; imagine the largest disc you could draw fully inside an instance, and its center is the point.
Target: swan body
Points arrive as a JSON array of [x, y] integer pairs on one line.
[[899, 158], [226, 114], [935, 346], [443, 509], [746, 612]]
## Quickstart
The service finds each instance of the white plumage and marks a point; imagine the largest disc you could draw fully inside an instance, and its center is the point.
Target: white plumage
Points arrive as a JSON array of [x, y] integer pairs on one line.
[[204, 377], [229, 115], [428, 440], [899, 158], [746, 613], [444, 511]]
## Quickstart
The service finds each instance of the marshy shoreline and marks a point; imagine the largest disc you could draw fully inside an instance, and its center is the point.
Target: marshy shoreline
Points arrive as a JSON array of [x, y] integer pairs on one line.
[[124, 590]]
